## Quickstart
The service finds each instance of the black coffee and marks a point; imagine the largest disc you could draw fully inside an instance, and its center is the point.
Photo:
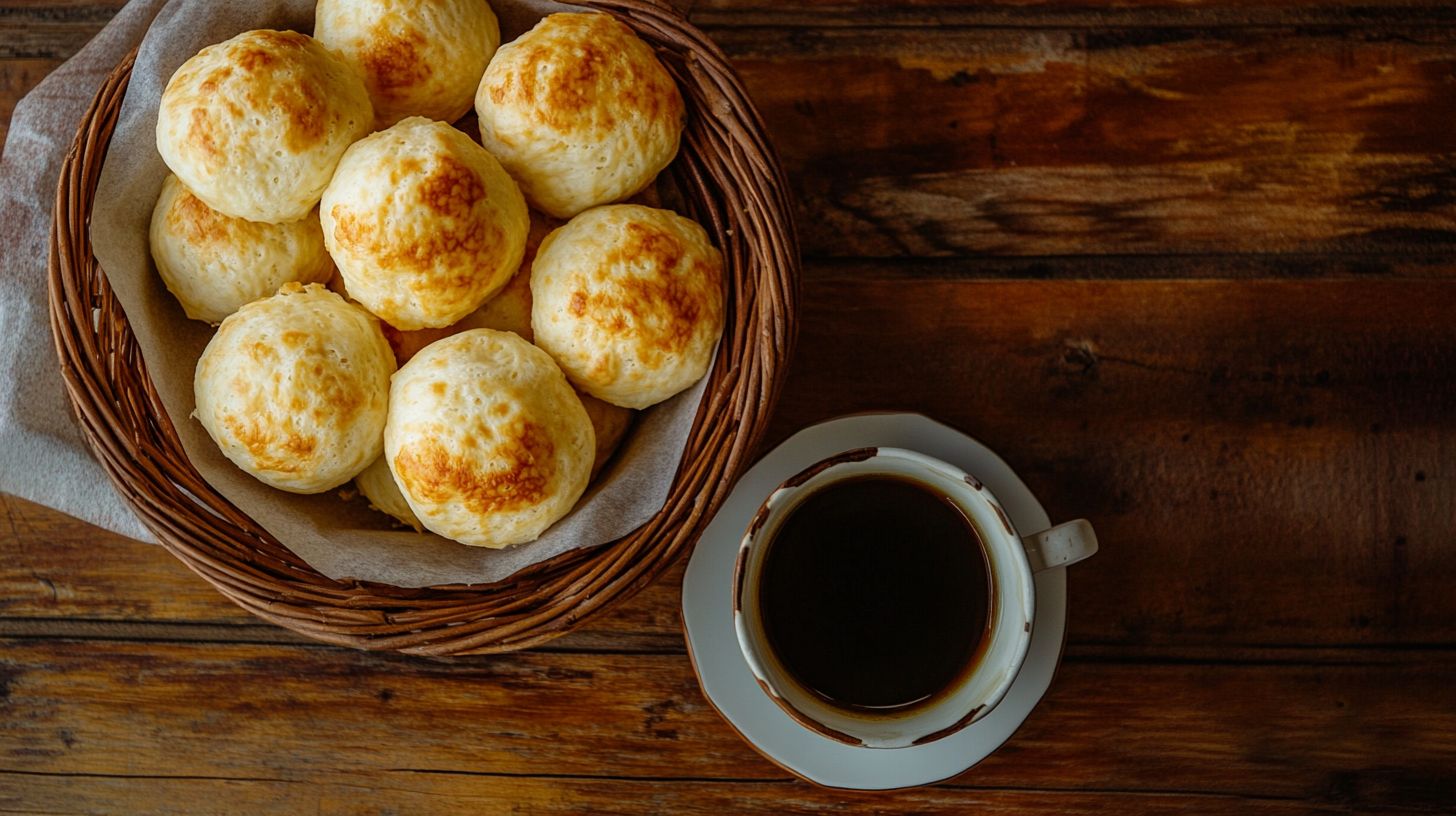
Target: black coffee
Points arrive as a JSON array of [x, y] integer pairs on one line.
[[875, 593]]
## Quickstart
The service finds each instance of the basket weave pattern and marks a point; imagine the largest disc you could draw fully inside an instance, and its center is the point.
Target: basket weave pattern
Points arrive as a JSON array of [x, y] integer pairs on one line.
[[734, 187]]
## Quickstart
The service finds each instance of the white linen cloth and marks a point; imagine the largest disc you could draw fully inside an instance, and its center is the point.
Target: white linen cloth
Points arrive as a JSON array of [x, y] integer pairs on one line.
[[43, 457]]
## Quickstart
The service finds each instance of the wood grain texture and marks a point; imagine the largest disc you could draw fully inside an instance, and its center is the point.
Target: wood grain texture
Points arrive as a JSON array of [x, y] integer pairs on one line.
[[470, 795], [716, 15], [55, 569], [1152, 141], [1292, 266], [87, 709], [1265, 462], [54, 566]]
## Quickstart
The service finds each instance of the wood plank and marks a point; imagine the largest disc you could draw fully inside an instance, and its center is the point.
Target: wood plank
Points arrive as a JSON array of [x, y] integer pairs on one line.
[[47, 40], [469, 795], [714, 15], [1265, 461], [1344, 266], [289, 713], [55, 568], [1035, 141], [1143, 141]]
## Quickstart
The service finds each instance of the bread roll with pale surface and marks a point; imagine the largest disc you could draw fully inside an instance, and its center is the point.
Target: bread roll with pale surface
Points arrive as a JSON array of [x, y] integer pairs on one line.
[[377, 484], [628, 300], [255, 126], [580, 111], [214, 263], [486, 440], [507, 310], [416, 57], [424, 225], [294, 389]]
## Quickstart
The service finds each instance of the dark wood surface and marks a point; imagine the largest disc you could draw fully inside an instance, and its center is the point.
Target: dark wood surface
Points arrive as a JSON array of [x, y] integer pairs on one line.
[[1185, 264]]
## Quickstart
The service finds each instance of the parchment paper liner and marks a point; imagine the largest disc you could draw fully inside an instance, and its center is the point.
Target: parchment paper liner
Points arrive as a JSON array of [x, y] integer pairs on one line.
[[341, 539]]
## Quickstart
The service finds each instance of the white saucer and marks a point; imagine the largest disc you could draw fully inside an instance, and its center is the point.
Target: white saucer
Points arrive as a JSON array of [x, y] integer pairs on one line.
[[707, 605]]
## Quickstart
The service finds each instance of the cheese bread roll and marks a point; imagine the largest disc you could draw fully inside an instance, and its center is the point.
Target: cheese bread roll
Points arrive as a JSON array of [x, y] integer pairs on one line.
[[416, 57], [580, 111], [255, 126], [424, 225], [294, 389], [214, 263], [486, 440], [628, 300]]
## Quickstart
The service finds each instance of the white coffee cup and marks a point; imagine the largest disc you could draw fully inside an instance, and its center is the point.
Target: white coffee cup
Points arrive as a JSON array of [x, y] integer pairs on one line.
[[1012, 560]]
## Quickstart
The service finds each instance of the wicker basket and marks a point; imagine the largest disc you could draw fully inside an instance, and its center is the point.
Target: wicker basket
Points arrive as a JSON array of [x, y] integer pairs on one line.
[[734, 186]]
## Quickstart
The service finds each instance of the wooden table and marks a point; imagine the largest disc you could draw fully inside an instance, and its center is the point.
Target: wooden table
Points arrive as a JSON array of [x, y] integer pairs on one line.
[[1185, 263]]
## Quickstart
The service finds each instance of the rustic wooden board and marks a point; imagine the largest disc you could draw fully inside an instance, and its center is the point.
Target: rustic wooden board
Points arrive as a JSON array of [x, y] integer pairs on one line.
[[1044, 142], [1265, 461], [67, 578], [86, 709], [470, 795], [1218, 328], [716, 15], [57, 567], [1030, 140]]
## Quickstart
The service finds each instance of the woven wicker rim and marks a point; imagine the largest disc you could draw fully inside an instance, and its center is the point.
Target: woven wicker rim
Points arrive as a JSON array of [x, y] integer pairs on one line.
[[734, 187]]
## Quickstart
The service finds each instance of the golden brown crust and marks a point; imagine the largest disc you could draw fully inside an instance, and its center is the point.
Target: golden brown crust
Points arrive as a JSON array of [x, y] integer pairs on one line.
[[660, 309], [629, 302], [487, 442], [424, 224], [214, 264], [393, 58], [524, 453], [255, 125], [200, 223], [294, 389], [580, 111], [416, 57], [508, 310]]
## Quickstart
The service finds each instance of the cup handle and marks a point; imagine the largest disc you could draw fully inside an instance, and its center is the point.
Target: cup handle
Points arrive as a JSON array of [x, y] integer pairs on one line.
[[1061, 545]]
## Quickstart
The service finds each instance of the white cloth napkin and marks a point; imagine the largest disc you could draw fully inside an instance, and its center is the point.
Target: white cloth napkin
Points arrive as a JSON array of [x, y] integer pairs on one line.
[[43, 457]]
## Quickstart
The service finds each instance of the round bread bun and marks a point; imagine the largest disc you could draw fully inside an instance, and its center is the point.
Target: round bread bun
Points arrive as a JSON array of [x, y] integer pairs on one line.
[[377, 484], [486, 439], [628, 300], [424, 225], [255, 126], [580, 112], [294, 389], [417, 57], [214, 263]]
